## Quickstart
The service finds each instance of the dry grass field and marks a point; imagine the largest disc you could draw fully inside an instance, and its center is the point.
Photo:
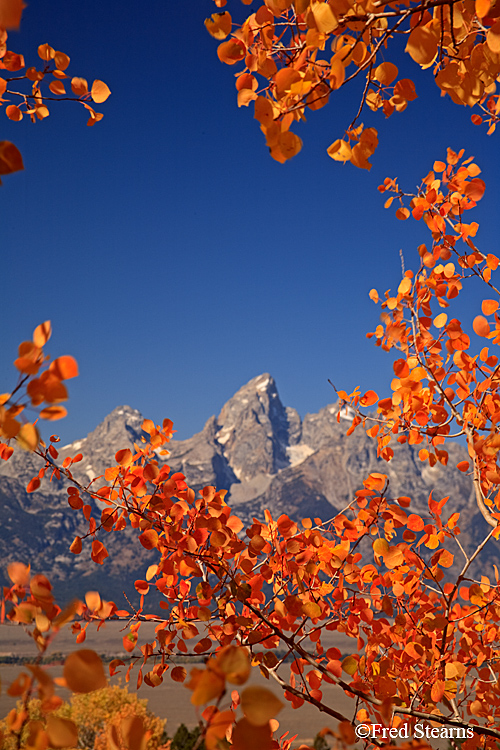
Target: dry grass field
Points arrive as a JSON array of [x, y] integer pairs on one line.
[[169, 700]]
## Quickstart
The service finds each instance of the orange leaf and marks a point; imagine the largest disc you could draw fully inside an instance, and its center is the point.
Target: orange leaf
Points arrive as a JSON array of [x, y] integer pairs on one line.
[[178, 674], [10, 13], [61, 732], [52, 413], [489, 306], [18, 573], [475, 189], [99, 552], [232, 51], [206, 685], [14, 113], [463, 466], [481, 326], [347, 733], [10, 158], [149, 539], [76, 545], [46, 52], [247, 736], [219, 26], [42, 334], [61, 61], [415, 523], [218, 725], [402, 214], [99, 92], [385, 73], [57, 87], [79, 86], [234, 663], [482, 8], [64, 367], [124, 457], [368, 399], [259, 705], [422, 45], [83, 671], [12, 61]]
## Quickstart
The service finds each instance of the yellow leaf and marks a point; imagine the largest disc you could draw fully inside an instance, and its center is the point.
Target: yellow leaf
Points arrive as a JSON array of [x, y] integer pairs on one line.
[[324, 17], [440, 320], [83, 671], [350, 665], [28, 437], [380, 547], [311, 609], [259, 705], [405, 286], [340, 151]]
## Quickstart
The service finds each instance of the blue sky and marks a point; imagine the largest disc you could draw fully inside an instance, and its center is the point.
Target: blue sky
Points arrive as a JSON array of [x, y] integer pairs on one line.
[[174, 257]]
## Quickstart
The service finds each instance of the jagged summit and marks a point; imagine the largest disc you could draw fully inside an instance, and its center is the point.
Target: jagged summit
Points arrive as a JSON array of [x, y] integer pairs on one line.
[[256, 448]]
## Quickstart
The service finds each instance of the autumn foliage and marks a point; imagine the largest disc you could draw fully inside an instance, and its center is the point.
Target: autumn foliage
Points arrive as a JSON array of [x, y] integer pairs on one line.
[[292, 56], [425, 632], [425, 642], [30, 91]]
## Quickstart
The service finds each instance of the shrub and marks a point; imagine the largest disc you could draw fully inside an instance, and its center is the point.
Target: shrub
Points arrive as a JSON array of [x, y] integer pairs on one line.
[[93, 713]]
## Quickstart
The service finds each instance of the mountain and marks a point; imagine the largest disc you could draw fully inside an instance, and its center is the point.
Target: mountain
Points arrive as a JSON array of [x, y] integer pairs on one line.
[[256, 448]]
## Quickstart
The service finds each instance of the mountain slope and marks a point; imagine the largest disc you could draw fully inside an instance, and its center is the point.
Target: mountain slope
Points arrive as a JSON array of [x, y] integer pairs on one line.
[[256, 448]]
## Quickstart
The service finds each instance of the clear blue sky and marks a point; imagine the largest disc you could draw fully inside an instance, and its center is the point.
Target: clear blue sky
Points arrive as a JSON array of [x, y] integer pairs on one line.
[[175, 259]]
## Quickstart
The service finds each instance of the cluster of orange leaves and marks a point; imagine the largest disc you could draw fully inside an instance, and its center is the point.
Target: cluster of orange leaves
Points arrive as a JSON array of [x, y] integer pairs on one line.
[[296, 53], [40, 384], [34, 101], [439, 386], [425, 639]]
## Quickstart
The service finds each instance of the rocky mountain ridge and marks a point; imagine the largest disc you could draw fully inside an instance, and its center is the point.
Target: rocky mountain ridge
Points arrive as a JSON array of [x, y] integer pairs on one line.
[[262, 452]]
